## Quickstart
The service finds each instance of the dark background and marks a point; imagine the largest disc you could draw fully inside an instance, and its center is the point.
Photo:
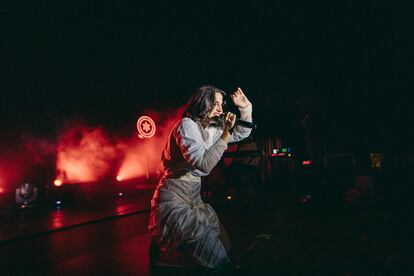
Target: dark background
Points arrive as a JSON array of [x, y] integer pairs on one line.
[[348, 64]]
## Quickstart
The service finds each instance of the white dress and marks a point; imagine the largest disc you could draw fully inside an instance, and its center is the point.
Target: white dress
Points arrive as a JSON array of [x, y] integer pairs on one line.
[[179, 219]]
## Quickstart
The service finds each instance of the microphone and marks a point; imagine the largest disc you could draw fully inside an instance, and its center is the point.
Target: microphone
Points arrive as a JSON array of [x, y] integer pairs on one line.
[[239, 122], [245, 124]]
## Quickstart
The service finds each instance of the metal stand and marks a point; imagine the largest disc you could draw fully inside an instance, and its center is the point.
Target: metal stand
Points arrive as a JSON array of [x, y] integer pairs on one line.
[[146, 155]]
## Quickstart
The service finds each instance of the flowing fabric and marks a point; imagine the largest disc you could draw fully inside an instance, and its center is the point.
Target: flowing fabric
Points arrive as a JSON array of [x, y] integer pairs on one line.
[[186, 222]]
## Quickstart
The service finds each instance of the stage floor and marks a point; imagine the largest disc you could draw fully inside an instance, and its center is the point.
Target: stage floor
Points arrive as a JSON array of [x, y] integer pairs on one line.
[[272, 235]]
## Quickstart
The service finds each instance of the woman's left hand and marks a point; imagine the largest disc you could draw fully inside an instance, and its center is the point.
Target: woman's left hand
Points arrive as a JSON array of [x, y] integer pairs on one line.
[[239, 99]]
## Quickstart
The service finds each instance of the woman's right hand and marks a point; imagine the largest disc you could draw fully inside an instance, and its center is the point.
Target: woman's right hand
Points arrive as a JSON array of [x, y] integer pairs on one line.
[[228, 123], [229, 120]]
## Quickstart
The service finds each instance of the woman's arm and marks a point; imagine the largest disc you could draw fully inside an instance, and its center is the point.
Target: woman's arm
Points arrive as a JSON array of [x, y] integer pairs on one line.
[[193, 149], [245, 107]]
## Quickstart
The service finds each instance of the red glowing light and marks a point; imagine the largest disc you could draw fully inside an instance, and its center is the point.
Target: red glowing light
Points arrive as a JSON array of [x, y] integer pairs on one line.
[[57, 182], [119, 178], [84, 155], [142, 157], [146, 127], [306, 162], [279, 154]]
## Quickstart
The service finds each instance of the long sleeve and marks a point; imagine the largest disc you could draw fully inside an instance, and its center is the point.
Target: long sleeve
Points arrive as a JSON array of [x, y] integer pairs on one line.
[[193, 147], [240, 132]]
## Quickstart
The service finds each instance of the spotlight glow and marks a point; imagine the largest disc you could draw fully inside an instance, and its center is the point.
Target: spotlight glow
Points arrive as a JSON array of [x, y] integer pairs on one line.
[[142, 156], [57, 182], [118, 178], [84, 155]]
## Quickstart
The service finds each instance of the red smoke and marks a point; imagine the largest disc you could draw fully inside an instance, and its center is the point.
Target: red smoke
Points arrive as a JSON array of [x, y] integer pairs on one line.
[[10, 173], [84, 155], [21, 159], [39, 150], [140, 153], [2, 184]]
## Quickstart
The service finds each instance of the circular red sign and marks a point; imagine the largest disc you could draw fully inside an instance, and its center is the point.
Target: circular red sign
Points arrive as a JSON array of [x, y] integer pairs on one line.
[[146, 127]]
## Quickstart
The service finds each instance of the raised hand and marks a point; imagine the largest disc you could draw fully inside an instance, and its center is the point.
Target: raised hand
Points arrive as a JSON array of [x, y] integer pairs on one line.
[[239, 99]]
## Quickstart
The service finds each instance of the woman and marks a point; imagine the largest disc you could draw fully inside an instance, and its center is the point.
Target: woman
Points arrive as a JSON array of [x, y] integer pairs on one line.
[[183, 228]]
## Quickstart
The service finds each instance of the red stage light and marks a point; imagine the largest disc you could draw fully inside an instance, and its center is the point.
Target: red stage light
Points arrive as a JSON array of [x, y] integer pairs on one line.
[[57, 182], [119, 178], [306, 162], [280, 154]]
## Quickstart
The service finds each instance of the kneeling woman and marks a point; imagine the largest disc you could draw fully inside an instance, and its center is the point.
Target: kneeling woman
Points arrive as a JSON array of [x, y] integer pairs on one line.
[[183, 228]]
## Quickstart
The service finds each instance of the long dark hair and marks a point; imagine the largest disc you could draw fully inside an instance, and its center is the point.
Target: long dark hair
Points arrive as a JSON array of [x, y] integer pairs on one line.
[[202, 102]]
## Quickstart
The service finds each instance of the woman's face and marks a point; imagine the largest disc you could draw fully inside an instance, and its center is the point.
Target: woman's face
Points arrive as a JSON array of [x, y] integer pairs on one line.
[[218, 106]]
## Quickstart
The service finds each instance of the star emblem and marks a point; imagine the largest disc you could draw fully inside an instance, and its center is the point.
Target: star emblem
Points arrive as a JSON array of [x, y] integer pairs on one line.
[[146, 126]]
